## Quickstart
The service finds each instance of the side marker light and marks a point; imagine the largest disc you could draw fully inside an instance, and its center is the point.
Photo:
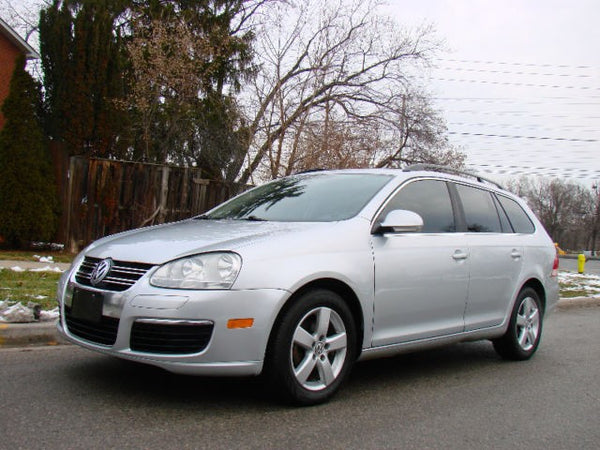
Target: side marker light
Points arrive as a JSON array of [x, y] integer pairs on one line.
[[239, 323]]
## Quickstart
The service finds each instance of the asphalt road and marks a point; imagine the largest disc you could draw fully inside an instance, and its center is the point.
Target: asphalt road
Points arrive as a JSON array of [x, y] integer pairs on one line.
[[462, 396], [592, 266]]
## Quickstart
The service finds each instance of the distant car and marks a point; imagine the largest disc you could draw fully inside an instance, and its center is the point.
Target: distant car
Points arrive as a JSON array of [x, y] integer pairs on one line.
[[300, 277]]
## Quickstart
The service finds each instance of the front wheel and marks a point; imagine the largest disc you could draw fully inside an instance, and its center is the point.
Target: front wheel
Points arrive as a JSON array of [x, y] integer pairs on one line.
[[313, 348], [525, 328]]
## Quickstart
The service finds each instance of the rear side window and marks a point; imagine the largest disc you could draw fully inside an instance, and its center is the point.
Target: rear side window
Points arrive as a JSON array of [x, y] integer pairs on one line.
[[506, 226], [431, 200], [480, 212], [519, 219]]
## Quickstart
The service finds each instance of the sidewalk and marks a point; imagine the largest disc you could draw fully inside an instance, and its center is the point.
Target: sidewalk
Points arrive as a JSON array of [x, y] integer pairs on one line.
[[33, 264]]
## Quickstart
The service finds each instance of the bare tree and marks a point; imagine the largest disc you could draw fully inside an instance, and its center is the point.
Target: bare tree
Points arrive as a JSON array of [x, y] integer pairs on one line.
[[565, 209], [593, 220], [23, 16], [333, 66], [161, 73], [189, 60]]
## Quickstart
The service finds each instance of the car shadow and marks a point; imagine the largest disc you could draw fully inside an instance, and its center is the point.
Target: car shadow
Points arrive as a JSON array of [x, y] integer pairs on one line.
[[142, 385]]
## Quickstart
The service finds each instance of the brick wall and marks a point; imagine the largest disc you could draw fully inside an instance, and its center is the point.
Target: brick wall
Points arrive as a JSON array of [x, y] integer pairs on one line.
[[8, 55]]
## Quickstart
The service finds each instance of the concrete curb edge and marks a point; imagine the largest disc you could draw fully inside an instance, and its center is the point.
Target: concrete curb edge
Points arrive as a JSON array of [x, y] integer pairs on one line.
[[29, 334]]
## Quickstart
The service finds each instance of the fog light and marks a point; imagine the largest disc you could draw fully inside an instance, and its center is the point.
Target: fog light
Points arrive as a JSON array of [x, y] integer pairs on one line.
[[239, 323]]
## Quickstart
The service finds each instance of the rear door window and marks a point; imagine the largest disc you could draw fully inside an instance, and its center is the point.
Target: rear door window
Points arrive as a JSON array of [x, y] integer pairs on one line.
[[481, 214]]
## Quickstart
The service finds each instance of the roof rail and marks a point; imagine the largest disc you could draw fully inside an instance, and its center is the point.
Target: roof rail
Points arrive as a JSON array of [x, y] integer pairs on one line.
[[315, 169], [451, 170]]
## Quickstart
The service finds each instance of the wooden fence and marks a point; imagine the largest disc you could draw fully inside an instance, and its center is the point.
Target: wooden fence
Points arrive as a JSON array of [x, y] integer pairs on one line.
[[101, 197]]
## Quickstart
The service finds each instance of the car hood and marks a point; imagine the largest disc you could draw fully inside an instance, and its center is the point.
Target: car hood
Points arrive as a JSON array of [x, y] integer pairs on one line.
[[159, 244]]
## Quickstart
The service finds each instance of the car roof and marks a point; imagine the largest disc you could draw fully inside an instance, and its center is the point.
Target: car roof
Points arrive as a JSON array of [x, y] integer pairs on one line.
[[425, 171]]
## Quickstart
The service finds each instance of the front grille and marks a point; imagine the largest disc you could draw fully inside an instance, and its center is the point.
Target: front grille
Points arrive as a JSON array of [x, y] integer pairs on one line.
[[121, 276], [170, 338], [103, 332]]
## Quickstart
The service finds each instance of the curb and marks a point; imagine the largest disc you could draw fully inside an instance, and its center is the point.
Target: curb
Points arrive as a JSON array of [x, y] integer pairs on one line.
[[29, 334], [46, 333]]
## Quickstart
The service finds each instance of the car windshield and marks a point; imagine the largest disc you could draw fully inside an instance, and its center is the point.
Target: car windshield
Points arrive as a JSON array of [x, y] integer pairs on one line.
[[317, 197]]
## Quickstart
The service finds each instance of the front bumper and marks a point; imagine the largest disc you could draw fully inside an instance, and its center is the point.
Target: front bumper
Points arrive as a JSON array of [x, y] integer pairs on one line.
[[238, 351]]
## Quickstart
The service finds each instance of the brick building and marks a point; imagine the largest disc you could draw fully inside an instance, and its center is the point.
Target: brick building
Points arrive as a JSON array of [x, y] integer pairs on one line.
[[11, 45]]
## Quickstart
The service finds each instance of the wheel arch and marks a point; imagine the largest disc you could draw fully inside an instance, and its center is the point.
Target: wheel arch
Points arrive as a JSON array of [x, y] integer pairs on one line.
[[538, 287], [331, 284]]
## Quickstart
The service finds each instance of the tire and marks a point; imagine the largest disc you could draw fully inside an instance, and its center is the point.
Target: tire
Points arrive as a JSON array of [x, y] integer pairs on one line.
[[524, 332], [312, 349]]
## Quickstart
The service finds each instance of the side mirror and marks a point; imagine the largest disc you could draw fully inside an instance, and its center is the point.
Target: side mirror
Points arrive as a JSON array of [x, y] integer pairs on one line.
[[400, 221]]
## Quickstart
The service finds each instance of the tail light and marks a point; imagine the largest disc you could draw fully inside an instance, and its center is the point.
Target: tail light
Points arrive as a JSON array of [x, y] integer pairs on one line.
[[555, 266]]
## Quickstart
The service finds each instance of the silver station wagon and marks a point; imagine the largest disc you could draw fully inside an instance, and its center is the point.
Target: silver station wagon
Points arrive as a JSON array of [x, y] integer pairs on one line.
[[299, 278]]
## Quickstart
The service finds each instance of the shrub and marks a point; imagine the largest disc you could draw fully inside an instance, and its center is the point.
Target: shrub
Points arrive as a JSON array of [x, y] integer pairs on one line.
[[28, 203]]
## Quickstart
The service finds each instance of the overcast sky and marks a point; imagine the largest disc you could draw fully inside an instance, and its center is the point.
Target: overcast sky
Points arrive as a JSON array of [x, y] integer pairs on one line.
[[519, 84]]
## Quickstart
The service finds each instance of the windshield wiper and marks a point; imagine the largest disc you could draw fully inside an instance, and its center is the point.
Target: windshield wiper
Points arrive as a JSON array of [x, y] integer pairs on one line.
[[254, 219]]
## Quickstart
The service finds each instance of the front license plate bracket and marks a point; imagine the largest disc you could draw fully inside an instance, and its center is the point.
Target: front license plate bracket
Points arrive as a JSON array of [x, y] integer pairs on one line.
[[87, 305]]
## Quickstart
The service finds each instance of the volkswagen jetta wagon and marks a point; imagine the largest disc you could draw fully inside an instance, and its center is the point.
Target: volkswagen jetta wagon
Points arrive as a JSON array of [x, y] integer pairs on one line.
[[300, 277]]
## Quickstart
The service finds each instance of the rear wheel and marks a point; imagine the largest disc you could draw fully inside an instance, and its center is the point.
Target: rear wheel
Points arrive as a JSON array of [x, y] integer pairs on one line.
[[525, 328], [313, 348]]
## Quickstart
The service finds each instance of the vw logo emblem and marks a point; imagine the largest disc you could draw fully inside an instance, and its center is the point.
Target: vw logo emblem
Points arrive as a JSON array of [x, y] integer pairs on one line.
[[101, 271]]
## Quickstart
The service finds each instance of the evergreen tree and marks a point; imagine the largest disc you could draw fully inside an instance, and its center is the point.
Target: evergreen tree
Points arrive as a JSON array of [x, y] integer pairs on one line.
[[27, 192], [189, 60], [82, 60]]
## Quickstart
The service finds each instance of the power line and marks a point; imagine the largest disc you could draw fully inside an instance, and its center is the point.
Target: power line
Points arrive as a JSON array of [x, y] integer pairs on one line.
[[540, 138], [512, 72], [578, 128], [541, 100], [510, 83], [520, 114], [515, 170], [506, 63]]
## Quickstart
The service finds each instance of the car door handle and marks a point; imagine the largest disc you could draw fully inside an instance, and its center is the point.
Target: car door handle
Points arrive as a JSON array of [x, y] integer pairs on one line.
[[458, 255], [515, 254]]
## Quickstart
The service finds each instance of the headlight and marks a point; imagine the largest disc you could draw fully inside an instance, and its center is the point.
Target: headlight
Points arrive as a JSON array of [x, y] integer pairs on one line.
[[205, 271]]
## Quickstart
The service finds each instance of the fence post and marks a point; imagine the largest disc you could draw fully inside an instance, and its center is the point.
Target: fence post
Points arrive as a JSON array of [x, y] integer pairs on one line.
[[71, 245], [164, 193]]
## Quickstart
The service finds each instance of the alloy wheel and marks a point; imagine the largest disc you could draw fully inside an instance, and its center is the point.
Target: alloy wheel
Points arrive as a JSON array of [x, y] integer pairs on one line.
[[319, 348]]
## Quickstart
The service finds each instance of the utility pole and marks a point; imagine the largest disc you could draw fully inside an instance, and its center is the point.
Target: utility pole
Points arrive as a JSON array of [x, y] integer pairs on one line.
[[595, 219]]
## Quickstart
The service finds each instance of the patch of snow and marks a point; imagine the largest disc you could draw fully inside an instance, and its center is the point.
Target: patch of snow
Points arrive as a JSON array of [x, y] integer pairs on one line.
[[48, 246], [17, 269], [15, 313], [588, 283], [46, 316], [44, 259], [46, 269]]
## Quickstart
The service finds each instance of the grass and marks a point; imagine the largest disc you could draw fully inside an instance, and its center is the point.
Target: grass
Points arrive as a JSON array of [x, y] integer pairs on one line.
[[25, 287], [573, 293]]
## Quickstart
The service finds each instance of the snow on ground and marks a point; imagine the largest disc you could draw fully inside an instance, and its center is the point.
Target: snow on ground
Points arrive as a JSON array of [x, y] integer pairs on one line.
[[571, 281], [16, 312], [44, 259], [46, 269]]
